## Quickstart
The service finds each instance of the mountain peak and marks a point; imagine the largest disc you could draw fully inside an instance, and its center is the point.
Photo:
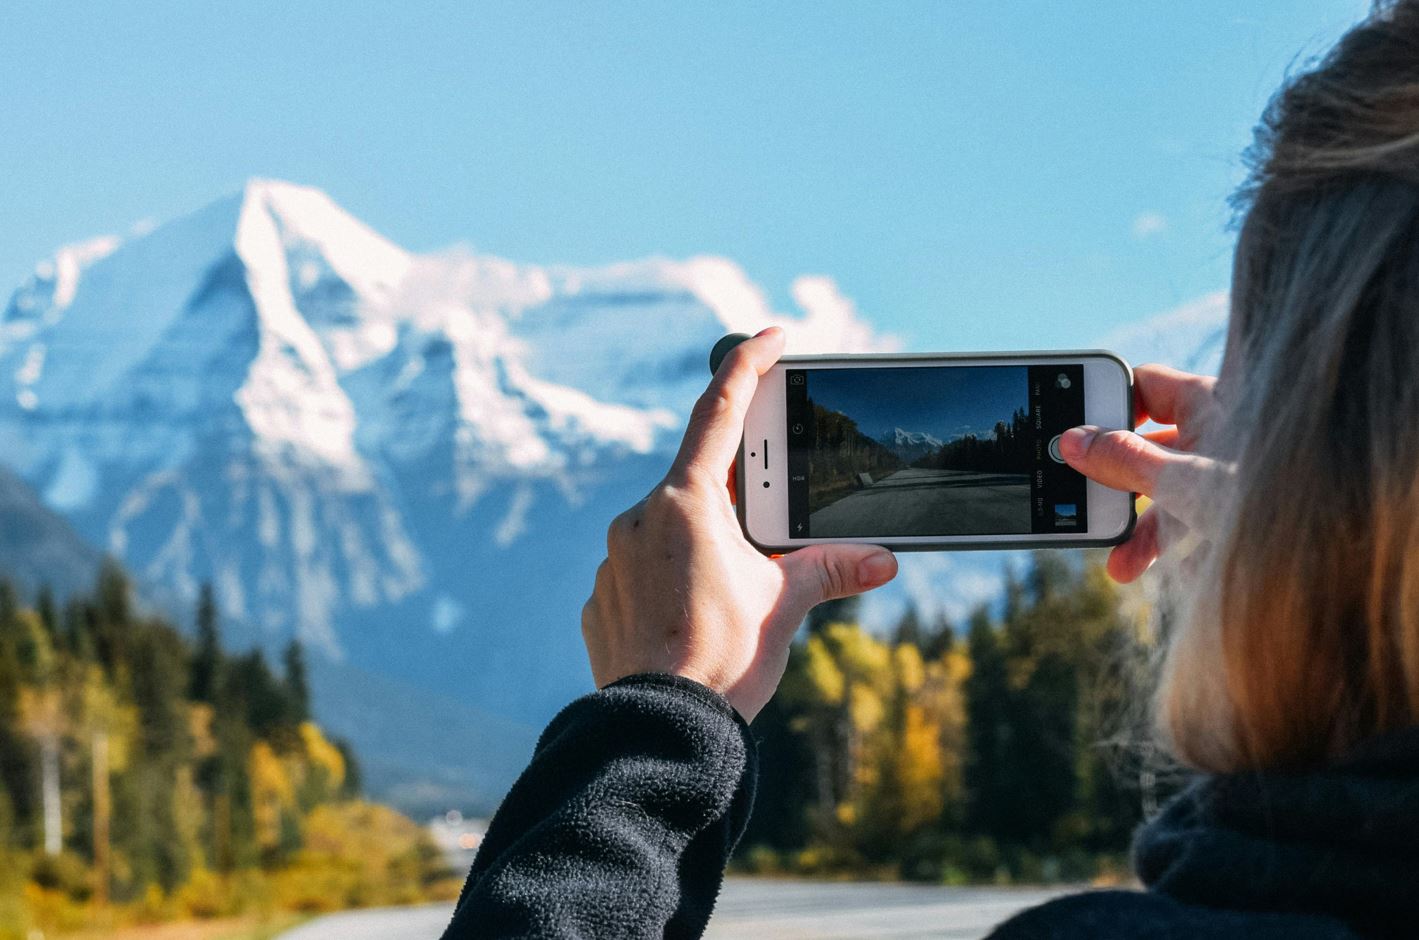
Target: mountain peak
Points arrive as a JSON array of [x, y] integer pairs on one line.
[[909, 445], [261, 187], [322, 238], [901, 436]]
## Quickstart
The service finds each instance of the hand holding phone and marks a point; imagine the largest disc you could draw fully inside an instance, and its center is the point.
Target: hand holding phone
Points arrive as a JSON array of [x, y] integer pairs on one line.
[[682, 592]]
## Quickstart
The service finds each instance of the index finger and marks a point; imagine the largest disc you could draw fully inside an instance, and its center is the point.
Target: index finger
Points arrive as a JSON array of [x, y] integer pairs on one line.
[[717, 421], [1169, 396]]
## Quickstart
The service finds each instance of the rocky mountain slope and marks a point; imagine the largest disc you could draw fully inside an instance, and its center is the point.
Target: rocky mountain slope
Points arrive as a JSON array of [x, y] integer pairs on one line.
[[37, 545]]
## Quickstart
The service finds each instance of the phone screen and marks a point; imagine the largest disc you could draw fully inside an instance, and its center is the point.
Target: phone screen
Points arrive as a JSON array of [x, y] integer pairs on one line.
[[932, 451]]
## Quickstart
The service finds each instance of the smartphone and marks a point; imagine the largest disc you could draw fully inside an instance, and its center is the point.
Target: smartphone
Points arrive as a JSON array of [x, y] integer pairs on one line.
[[931, 452]]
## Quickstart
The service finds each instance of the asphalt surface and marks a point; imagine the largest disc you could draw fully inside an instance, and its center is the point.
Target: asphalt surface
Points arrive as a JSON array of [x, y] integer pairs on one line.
[[755, 908], [930, 502]]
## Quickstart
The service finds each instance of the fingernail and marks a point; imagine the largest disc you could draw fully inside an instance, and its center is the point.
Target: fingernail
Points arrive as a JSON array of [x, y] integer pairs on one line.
[[766, 331], [1077, 441], [877, 568]]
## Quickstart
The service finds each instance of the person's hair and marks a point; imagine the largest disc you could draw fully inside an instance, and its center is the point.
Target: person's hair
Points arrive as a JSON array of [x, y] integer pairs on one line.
[[1300, 636]]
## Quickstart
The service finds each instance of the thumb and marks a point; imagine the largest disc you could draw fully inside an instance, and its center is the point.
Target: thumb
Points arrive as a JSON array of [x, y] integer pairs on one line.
[[1120, 460], [826, 572]]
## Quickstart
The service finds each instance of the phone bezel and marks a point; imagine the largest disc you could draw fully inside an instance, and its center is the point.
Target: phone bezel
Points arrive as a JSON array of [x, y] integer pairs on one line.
[[763, 513]]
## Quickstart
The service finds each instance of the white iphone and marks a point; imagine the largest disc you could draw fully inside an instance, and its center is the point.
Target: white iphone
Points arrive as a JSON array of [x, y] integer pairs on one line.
[[931, 452]]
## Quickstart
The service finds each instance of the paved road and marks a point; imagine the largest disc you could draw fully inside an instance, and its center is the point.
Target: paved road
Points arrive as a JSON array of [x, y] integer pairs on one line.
[[390, 923], [795, 910], [930, 502], [755, 908]]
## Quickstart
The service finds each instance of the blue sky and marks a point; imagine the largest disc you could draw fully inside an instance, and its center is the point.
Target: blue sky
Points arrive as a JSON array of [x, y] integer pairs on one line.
[[973, 174], [945, 403]]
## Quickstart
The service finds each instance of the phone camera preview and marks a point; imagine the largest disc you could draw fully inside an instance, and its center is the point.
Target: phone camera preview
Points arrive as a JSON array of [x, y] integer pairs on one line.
[[922, 451]]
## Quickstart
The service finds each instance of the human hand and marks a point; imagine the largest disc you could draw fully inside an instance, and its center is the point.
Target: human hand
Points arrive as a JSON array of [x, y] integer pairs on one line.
[[683, 592], [1162, 465]]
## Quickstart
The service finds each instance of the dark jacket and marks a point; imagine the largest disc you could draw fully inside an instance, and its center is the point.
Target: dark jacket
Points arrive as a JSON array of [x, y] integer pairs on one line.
[[1323, 855], [637, 794]]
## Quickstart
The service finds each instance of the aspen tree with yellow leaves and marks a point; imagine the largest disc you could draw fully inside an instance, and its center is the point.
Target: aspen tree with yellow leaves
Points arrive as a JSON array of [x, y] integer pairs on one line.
[[978, 752]]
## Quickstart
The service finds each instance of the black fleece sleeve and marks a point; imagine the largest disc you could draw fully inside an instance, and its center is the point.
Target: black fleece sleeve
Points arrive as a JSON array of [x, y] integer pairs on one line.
[[622, 824]]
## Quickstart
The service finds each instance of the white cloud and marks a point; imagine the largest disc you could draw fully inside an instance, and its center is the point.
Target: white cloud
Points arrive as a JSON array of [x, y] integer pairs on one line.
[[831, 322], [1190, 336], [1148, 224]]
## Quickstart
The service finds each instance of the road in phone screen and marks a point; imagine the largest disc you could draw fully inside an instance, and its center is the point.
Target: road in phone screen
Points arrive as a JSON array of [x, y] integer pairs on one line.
[[933, 451]]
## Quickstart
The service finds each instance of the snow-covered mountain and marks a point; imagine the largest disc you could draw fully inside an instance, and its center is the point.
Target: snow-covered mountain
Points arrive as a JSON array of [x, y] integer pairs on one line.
[[249, 394], [407, 460], [910, 445]]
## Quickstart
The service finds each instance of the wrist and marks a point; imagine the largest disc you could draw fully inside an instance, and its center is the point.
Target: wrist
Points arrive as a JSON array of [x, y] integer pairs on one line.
[[685, 685]]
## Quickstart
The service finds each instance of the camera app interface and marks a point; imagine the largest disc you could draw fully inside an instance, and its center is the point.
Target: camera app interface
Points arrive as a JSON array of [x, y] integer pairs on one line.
[[933, 451]]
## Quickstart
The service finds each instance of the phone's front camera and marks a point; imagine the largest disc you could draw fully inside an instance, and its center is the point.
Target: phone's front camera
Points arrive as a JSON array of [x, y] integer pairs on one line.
[[766, 484]]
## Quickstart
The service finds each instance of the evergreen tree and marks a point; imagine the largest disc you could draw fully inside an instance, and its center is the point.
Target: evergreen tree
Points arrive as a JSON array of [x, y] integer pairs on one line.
[[112, 617], [1041, 637], [262, 697], [786, 771], [354, 784], [842, 610], [17, 753], [297, 683], [160, 853], [939, 639], [909, 629], [47, 610], [225, 776], [989, 731], [9, 603], [77, 630], [207, 658]]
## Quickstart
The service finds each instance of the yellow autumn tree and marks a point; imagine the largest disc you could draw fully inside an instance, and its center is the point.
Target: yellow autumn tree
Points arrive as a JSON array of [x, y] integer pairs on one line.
[[357, 854], [322, 772], [904, 773], [273, 795], [886, 731]]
